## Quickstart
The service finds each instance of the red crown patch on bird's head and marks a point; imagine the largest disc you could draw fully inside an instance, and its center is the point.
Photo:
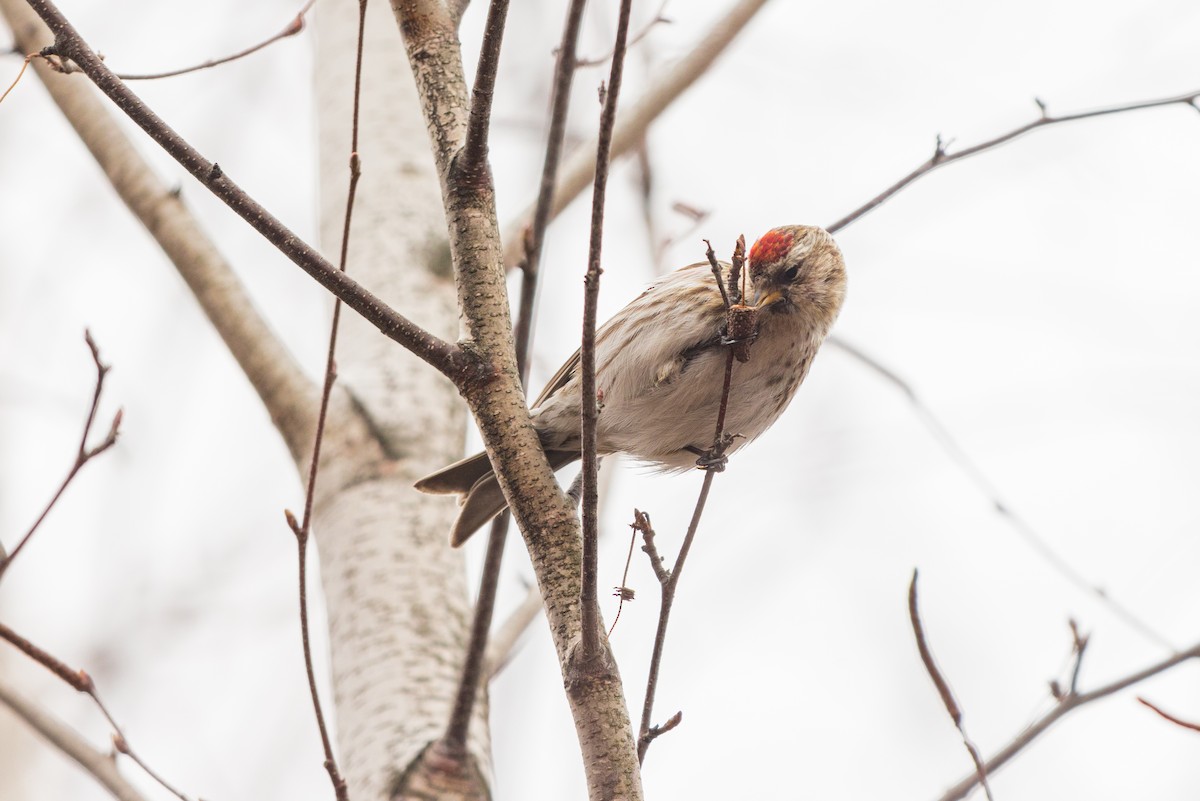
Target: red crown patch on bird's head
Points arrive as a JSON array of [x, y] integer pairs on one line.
[[771, 246]]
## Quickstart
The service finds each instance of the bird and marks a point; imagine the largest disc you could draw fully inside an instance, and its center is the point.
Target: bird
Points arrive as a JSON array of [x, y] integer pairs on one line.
[[660, 364]]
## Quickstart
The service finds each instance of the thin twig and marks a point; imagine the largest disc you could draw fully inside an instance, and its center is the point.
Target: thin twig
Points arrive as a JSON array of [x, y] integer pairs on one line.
[[974, 473], [303, 530], [21, 72], [1068, 703], [100, 765], [623, 591], [943, 687], [449, 359], [82, 682], [294, 27], [713, 462], [1168, 716], [659, 19], [83, 454], [941, 155], [480, 121], [579, 166], [589, 412]]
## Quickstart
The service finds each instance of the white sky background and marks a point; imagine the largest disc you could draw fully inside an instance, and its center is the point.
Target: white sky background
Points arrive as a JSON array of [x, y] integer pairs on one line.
[[1040, 299]]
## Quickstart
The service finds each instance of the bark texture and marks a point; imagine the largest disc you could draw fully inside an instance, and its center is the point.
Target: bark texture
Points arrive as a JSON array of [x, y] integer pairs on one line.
[[396, 593]]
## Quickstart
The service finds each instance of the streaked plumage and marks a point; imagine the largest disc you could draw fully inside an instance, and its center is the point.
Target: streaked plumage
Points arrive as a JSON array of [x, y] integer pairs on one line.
[[660, 368]]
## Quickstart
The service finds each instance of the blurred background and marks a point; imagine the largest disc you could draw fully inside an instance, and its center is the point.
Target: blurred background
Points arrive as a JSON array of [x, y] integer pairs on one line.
[[1040, 300]]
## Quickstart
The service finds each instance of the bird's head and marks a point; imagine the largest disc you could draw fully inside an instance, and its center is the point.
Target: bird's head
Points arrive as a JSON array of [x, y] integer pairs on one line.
[[798, 268]]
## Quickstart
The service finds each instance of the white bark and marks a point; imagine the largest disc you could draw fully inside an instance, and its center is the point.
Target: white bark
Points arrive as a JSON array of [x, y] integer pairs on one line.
[[396, 593]]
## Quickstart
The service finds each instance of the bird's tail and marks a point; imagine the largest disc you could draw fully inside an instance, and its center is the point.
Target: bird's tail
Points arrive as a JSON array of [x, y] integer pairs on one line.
[[482, 499]]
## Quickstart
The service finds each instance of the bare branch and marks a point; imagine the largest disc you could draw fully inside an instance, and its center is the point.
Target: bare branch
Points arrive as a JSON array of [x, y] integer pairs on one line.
[[1168, 716], [294, 27], [1068, 703], [943, 687], [82, 682], [447, 358], [83, 454], [58, 734], [942, 157], [658, 19], [579, 168], [475, 150], [284, 388], [740, 319], [304, 529], [974, 473], [589, 411], [476, 660]]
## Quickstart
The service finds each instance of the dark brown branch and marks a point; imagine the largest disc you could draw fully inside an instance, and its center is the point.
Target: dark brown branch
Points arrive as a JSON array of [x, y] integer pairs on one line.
[[943, 687], [579, 165], [974, 473], [475, 149], [1068, 703], [659, 19], [941, 155], [454, 741], [304, 529], [83, 454], [294, 27], [82, 682], [1168, 716], [588, 596], [712, 462], [447, 358]]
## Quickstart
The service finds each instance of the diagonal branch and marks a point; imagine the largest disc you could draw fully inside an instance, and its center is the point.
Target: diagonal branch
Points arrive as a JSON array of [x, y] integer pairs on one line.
[[83, 455], [99, 765], [293, 27], [974, 473], [1069, 702], [943, 686], [942, 156], [284, 389], [447, 358], [82, 682]]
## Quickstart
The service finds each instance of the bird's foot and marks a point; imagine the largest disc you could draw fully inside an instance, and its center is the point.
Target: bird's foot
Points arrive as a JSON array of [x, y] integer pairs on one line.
[[716, 457]]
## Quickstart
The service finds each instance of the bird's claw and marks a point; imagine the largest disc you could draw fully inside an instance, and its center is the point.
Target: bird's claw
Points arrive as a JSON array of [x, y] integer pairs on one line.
[[716, 458]]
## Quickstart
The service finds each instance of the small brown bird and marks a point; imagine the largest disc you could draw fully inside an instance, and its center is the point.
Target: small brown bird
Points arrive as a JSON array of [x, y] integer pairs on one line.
[[660, 365]]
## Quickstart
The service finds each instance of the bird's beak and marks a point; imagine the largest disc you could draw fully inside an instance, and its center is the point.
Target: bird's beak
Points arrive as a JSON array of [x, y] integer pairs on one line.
[[765, 298]]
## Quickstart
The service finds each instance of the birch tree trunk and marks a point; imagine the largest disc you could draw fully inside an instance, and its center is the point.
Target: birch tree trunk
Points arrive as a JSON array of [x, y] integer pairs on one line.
[[398, 602]]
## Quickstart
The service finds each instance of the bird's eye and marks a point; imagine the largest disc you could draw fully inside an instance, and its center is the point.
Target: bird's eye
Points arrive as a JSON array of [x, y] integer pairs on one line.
[[790, 273]]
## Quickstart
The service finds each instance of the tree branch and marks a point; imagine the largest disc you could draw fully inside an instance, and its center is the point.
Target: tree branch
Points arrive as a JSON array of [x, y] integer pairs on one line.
[[974, 473], [445, 357], [943, 686], [476, 661], [589, 410], [83, 455], [99, 765], [1068, 703], [544, 514], [579, 168], [294, 27], [941, 155], [80, 681]]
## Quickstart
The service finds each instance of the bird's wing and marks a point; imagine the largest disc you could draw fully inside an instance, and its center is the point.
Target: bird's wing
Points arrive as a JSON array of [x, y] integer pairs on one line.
[[560, 378], [569, 368]]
